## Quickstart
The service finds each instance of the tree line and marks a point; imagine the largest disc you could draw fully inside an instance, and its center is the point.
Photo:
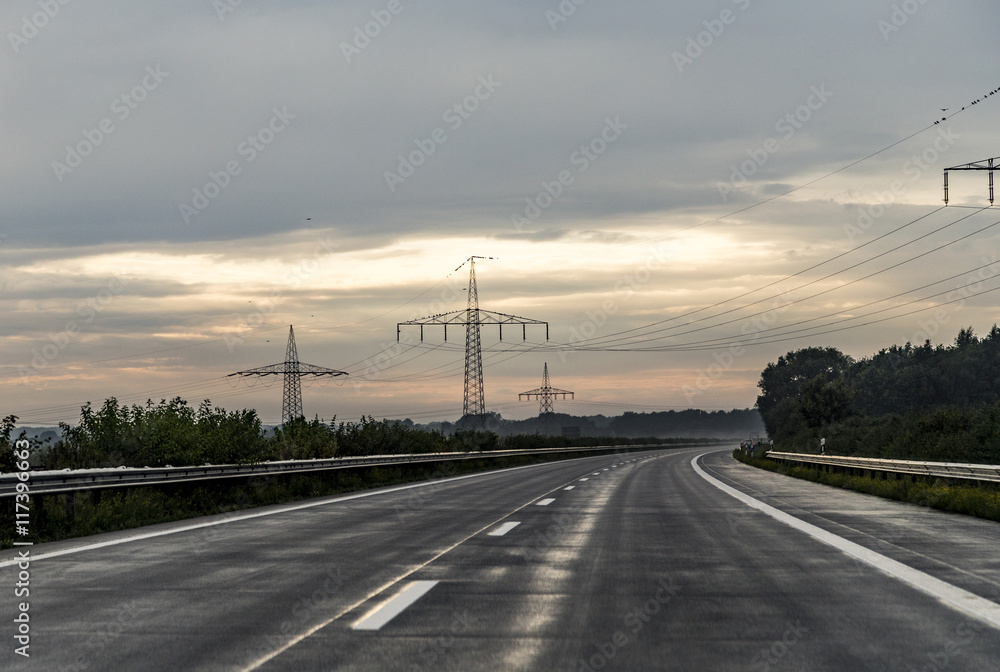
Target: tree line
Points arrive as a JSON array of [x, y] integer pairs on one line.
[[906, 402], [172, 433], [686, 423]]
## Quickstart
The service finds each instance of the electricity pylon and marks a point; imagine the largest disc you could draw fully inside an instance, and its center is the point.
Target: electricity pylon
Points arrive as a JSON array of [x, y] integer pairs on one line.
[[545, 394], [293, 371], [473, 318], [985, 164]]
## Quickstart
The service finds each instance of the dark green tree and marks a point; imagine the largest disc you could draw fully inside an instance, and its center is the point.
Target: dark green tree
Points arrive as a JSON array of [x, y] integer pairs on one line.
[[822, 402], [782, 382]]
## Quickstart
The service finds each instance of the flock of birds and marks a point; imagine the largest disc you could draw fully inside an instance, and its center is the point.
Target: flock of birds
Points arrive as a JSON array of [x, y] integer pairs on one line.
[[977, 100]]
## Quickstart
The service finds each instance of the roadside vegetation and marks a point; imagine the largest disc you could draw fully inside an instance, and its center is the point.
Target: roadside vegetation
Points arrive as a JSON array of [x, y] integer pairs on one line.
[[982, 501], [172, 433], [905, 402]]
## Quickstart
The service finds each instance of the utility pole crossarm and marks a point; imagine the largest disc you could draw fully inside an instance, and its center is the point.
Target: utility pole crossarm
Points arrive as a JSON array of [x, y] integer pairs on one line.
[[301, 368], [462, 317], [293, 371], [538, 391], [986, 164], [545, 394], [473, 318]]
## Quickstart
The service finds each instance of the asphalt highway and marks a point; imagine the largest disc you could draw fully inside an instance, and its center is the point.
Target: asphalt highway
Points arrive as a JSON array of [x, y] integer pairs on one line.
[[620, 562]]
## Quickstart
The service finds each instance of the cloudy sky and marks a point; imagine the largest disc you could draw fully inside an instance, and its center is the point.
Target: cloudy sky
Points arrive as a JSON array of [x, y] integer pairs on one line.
[[684, 191]]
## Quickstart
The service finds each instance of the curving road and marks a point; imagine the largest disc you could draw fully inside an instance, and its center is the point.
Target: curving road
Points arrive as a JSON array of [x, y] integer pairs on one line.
[[623, 562]]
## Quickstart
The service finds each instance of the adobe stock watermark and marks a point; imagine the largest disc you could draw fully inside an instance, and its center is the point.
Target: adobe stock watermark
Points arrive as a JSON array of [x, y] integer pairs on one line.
[[714, 28], [899, 17], [543, 541], [726, 359], [624, 288], [779, 648], [580, 160], [635, 621], [87, 311], [331, 583], [416, 499], [375, 365], [913, 169], [125, 615], [955, 300], [364, 34], [562, 12], [250, 148], [31, 25], [948, 652], [223, 7], [787, 126], [454, 116], [122, 108], [434, 650], [257, 317], [244, 498]]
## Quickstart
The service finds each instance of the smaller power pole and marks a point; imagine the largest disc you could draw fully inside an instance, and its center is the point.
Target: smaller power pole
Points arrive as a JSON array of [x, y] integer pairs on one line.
[[545, 394], [473, 318], [985, 164], [292, 371]]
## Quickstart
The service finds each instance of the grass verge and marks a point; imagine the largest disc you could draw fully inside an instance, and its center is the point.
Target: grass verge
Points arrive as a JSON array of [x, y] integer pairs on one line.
[[982, 500]]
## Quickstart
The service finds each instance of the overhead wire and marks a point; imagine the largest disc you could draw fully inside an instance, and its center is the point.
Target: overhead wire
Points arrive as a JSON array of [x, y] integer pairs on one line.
[[724, 341], [609, 338], [606, 339], [813, 282]]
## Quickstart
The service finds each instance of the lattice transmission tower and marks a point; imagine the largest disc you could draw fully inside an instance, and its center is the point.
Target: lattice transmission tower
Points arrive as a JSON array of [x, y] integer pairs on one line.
[[293, 372], [473, 318], [545, 394], [985, 164]]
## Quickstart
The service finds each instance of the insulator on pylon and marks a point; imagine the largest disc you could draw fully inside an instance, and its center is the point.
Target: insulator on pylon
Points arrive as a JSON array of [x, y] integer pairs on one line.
[[472, 319], [293, 371]]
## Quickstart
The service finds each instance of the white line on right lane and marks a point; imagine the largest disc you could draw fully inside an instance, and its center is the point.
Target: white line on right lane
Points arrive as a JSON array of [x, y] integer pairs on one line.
[[962, 600]]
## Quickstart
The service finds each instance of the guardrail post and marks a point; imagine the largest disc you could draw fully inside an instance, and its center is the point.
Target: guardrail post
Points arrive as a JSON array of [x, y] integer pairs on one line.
[[41, 519], [70, 505]]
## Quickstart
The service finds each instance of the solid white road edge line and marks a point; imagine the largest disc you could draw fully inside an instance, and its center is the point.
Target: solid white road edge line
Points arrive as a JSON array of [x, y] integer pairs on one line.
[[387, 611], [504, 529], [955, 597]]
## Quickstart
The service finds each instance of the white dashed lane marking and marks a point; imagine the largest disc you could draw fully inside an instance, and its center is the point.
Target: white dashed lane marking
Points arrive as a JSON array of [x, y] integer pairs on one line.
[[394, 607], [504, 529]]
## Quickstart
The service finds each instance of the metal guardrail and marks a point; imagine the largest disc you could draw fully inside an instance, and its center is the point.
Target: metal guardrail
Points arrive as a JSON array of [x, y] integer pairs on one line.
[[975, 472], [54, 482]]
